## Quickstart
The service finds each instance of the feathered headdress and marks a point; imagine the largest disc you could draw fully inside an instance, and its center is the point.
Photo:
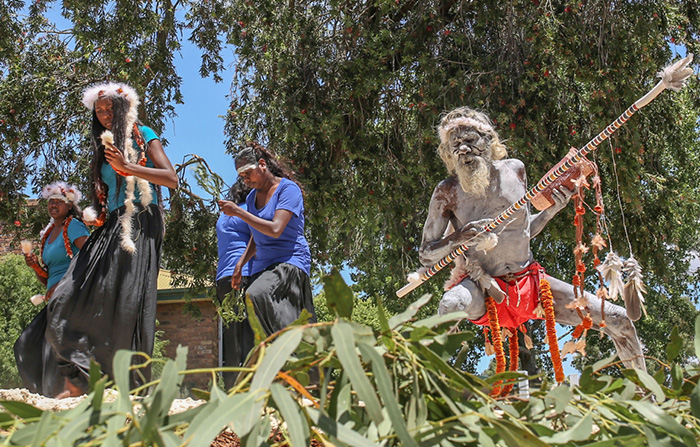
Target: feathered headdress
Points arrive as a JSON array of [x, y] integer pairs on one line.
[[114, 90], [62, 191]]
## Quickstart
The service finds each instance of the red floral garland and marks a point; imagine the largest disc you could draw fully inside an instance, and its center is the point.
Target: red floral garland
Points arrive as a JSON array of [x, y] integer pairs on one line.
[[547, 301], [497, 342]]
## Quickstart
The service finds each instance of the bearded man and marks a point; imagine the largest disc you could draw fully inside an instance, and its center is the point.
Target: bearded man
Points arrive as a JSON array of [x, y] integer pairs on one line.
[[482, 184]]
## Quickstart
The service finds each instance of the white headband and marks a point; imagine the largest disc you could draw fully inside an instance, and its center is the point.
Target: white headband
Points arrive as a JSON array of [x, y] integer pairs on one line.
[[247, 167]]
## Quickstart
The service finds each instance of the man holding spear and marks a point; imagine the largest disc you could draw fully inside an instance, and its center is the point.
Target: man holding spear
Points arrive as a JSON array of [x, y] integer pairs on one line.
[[484, 183], [504, 287]]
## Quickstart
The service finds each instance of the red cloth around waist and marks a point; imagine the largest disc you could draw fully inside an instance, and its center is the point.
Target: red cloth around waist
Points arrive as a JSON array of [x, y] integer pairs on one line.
[[515, 310]]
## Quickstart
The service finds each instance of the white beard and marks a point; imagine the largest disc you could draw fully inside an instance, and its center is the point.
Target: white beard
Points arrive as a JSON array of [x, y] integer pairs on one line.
[[474, 178]]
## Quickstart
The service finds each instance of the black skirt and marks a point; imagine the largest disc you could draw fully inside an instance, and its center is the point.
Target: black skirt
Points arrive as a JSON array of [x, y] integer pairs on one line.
[[106, 301], [279, 294], [237, 337], [36, 362]]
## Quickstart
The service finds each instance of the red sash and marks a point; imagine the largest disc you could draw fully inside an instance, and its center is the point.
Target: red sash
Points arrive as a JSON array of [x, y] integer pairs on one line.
[[522, 296]]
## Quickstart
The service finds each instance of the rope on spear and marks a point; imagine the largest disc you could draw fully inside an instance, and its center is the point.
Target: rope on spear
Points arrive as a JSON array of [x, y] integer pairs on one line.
[[672, 77]]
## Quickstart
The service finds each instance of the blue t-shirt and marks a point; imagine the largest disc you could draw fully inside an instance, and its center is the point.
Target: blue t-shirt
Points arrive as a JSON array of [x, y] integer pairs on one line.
[[55, 256], [233, 235], [291, 246], [109, 176]]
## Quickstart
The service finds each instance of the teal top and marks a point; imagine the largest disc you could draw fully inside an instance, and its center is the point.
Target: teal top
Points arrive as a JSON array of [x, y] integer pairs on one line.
[[115, 198], [55, 256]]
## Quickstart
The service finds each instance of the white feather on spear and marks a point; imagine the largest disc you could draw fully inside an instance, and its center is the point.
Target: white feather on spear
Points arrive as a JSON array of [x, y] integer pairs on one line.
[[611, 269], [634, 290]]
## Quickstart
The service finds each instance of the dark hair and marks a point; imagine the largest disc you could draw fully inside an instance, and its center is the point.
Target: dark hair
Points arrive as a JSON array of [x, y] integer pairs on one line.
[[238, 192], [120, 108], [253, 151]]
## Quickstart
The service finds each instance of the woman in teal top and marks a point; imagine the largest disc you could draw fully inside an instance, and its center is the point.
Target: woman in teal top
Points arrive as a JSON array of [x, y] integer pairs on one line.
[[107, 299], [60, 242]]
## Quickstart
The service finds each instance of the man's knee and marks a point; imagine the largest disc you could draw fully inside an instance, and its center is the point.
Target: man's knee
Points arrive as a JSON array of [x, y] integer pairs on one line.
[[462, 298]]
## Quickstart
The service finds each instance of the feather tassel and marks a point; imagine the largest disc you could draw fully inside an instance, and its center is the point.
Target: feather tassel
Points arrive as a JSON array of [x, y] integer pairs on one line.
[[634, 289], [611, 269]]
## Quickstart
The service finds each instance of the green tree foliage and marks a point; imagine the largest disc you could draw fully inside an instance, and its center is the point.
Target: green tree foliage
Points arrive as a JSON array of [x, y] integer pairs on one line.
[[17, 284], [350, 93]]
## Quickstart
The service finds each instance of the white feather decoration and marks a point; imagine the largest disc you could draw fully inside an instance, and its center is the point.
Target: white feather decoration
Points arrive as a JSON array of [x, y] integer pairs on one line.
[[107, 137], [89, 214], [485, 242], [611, 269], [675, 75], [634, 290]]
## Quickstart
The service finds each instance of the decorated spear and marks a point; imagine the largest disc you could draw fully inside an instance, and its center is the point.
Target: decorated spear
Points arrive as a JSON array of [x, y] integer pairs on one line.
[[672, 77]]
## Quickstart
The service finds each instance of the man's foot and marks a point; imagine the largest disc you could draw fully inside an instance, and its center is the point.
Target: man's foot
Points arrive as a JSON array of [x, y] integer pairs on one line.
[[70, 390]]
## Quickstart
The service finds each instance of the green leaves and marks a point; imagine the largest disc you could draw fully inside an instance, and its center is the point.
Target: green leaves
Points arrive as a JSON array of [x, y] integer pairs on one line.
[[406, 396], [339, 296]]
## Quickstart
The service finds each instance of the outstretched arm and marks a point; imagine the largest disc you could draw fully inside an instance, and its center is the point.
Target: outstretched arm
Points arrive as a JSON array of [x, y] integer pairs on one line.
[[561, 197]]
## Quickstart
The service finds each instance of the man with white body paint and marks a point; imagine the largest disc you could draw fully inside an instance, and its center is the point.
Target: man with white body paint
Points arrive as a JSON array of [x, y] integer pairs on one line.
[[483, 183]]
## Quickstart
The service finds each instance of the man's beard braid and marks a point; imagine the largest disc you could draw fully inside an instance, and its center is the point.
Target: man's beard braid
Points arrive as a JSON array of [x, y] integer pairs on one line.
[[474, 178]]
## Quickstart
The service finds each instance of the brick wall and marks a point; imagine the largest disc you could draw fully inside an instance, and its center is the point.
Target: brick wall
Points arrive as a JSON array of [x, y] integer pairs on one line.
[[201, 336]]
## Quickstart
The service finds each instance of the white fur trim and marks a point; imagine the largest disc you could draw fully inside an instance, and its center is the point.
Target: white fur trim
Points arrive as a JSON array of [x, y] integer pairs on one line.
[[126, 241], [112, 90], [107, 137]]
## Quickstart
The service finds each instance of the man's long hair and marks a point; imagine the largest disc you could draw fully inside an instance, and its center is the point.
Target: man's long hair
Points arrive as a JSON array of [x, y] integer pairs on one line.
[[444, 130]]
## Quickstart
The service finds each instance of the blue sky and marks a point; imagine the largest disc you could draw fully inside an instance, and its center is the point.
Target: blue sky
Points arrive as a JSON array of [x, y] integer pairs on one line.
[[198, 127]]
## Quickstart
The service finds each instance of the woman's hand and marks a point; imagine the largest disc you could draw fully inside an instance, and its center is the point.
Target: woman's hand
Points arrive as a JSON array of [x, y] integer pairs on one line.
[[236, 277], [229, 208], [31, 259], [115, 158]]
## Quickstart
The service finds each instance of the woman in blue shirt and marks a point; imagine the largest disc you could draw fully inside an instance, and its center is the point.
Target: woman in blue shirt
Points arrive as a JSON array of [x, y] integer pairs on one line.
[[107, 299], [279, 286], [61, 240], [233, 235]]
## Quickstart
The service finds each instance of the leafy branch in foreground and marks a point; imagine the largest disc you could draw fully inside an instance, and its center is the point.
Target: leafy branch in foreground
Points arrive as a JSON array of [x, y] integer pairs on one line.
[[345, 383]]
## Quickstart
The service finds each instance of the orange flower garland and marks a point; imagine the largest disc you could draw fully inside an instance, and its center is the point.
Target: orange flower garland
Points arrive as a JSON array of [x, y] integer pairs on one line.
[[513, 360], [547, 301], [141, 144], [66, 239], [42, 272], [585, 325], [497, 341]]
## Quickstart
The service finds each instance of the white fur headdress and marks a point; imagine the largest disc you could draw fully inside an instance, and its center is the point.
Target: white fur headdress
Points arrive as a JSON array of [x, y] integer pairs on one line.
[[110, 90], [113, 90], [62, 191]]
